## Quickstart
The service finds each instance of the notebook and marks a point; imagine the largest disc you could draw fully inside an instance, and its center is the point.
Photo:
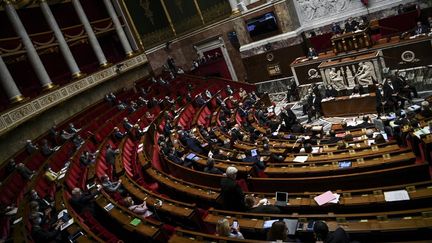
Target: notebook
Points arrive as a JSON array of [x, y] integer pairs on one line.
[[324, 198], [66, 224], [135, 221], [281, 199]]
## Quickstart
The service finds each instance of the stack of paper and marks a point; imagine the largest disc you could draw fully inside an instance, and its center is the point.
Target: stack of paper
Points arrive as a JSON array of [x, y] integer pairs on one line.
[[399, 195], [325, 198], [336, 200], [315, 150], [300, 159]]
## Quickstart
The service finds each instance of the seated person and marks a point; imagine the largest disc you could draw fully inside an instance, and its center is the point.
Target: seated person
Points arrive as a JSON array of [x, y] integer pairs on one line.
[[87, 158], [110, 186], [117, 134], [262, 206], [420, 29], [224, 229], [425, 110], [379, 139], [41, 233], [24, 171], [30, 147], [278, 232], [322, 233], [312, 53], [83, 201], [211, 169], [46, 149], [255, 160], [336, 29], [139, 209]]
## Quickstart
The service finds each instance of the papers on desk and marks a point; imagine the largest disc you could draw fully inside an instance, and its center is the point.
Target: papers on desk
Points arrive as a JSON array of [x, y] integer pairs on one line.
[[399, 195], [423, 131], [192, 156], [336, 200], [364, 95], [414, 108], [370, 142], [326, 197], [140, 148], [300, 159], [16, 221], [268, 223], [316, 150]]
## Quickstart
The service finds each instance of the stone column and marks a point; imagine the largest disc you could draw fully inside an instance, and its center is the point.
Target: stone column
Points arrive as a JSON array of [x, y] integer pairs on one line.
[[234, 7], [33, 56], [64, 48], [91, 35], [8, 83], [119, 29]]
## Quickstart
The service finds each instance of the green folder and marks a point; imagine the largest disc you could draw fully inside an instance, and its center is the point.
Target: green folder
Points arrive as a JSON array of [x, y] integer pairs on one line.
[[135, 222]]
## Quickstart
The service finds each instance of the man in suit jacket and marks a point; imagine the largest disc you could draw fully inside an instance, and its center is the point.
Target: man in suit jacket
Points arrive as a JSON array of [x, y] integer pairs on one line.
[[231, 193], [110, 155], [390, 95], [194, 144]]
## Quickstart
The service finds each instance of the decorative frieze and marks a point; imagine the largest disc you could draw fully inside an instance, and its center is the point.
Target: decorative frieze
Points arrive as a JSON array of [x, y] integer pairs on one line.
[[11, 118]]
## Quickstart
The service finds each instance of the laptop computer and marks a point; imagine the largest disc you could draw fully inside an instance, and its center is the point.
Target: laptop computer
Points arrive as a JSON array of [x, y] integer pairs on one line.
[[281, 199]]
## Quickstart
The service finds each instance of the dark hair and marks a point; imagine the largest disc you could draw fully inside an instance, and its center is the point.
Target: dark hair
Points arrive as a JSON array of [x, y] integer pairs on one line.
[[379, 139], [349, 137], [308, 148], [278, 231], [321, 230]]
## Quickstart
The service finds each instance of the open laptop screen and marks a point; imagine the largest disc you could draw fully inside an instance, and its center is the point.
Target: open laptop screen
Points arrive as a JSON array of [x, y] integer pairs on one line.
[[281, 196]]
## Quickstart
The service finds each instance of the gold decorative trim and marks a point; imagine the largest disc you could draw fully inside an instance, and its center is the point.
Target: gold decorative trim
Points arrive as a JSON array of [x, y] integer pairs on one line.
[[168, 17], [130, 54], [105, 65], [16, 99], [235, 12], [29, 108], [49, 86], [77, 75]]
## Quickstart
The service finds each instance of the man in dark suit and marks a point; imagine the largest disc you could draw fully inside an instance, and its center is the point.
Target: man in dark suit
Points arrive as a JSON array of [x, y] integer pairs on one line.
[[110, 155], [194, 144], [380, 99], [231, 193], [336, 29], [420, 29], [390, 95], [312, 53]]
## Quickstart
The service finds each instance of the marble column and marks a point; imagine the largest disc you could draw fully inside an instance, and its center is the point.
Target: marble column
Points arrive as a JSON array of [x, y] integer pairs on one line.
[[234, 6], [91, 35], [64, 48], [33, 56], [119, 28], [8, 83]]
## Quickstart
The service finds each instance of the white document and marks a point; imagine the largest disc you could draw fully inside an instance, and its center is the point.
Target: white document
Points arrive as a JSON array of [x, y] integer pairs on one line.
[[336, 200], [300, 159], [315, 150], [268, 223], [399, 195]]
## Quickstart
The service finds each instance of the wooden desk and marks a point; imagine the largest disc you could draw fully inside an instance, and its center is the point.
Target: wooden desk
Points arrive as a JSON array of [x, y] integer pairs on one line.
[[351, 41], [349, 106], [385, 177]]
